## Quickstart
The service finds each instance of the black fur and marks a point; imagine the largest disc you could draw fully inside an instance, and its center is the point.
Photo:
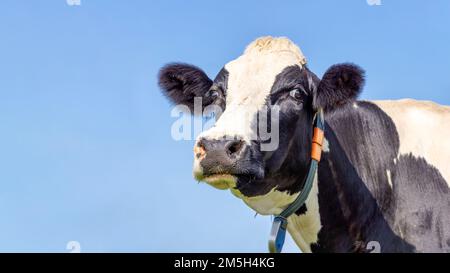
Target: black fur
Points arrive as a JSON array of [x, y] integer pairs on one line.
[[182, 82], [285, 167], [302, 210], [340, 84], [356, 202], [220, 85]]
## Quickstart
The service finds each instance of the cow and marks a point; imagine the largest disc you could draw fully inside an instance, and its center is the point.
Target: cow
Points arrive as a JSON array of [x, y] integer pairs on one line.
[[384, 171]]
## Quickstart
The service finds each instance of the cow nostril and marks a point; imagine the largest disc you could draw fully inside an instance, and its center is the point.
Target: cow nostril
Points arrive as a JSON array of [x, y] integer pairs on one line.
[[234, 147]]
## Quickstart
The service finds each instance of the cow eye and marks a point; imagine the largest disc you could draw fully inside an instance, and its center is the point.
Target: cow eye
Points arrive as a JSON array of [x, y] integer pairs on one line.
[[213, 94], [296, 94]]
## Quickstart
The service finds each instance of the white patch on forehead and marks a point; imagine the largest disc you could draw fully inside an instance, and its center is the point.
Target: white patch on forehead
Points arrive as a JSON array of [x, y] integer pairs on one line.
[[250, 80], [424, 129]]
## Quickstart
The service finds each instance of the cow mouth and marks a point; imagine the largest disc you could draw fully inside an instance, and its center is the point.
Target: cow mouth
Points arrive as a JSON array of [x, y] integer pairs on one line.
[[220, 181], [225, 181]]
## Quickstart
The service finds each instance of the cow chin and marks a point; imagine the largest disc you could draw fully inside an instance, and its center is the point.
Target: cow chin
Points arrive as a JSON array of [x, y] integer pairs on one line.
[[218, 181], [237, 184], [228, 180]]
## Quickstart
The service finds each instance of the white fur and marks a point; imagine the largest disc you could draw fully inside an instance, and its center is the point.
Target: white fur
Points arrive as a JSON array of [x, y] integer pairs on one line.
[[250, 80], [424, 131], [271, 203], [389, 177], [305, 228], [325, 146]]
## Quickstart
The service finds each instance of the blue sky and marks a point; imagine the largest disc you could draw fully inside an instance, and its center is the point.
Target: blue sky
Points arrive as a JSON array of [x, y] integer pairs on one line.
[[85, 147]]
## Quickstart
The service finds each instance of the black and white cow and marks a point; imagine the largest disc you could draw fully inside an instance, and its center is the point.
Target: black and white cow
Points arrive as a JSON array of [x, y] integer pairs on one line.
[[384, 174]]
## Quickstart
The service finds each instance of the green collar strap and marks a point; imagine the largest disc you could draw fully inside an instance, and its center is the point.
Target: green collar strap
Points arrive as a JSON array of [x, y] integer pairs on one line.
[[280, 222]]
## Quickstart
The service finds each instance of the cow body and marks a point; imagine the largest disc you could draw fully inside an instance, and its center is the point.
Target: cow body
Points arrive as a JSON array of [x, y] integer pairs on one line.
[[371, 187], [383, 177]]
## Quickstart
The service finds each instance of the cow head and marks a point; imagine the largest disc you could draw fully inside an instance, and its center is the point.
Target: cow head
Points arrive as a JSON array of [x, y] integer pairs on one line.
[[268, 87]]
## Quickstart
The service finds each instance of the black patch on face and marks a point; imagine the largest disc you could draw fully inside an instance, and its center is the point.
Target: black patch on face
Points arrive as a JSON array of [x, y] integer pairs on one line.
[[219, 89], [290, 78], [286, 167], [357, 204]]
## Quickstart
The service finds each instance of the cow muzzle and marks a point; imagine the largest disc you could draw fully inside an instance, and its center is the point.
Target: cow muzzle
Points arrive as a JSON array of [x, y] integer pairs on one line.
[[222, 162]]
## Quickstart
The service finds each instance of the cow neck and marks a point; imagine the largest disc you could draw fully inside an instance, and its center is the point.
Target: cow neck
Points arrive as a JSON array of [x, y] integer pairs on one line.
[[280, 222]]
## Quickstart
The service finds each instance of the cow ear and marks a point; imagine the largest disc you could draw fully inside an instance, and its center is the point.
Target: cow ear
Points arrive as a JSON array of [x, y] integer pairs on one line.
[[181, 83], [341, 84]]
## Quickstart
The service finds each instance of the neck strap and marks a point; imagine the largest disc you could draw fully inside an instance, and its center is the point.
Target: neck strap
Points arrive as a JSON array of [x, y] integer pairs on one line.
[[280, 222]]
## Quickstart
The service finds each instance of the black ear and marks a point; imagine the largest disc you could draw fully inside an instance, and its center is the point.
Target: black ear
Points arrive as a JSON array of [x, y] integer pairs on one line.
[[182, 82], [341, 84]]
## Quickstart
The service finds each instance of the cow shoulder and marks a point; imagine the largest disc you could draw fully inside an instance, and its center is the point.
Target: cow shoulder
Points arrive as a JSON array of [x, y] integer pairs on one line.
[[423, 128]]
